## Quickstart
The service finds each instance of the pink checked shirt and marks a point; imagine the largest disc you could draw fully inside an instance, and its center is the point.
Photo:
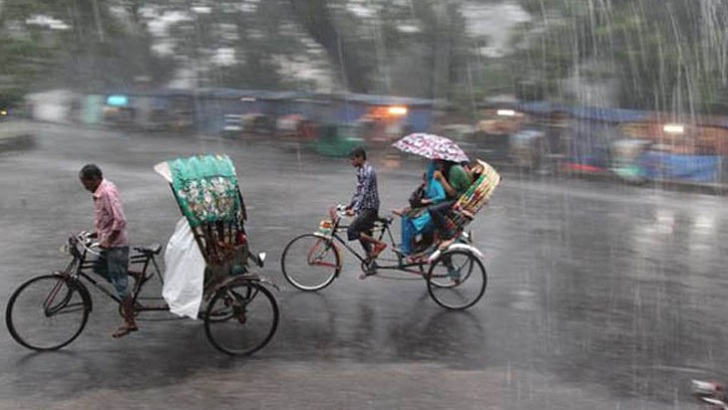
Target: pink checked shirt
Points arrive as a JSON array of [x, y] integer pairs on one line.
[[109, 215]]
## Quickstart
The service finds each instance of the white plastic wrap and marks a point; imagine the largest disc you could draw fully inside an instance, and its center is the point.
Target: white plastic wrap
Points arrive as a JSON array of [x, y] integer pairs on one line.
[[184, 273]]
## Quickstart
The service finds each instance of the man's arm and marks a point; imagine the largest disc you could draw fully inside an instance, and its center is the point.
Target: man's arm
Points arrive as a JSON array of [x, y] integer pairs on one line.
[[113, 204], [356, 197], [111, 238], [449, 190]]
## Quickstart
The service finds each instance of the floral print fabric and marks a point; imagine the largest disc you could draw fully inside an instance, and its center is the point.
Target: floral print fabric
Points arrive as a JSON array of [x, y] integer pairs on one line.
[[206, 188], [431, 146]]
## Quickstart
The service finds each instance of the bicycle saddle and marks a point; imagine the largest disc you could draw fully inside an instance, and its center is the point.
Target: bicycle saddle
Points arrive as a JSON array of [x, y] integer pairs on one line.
[[153, 249]]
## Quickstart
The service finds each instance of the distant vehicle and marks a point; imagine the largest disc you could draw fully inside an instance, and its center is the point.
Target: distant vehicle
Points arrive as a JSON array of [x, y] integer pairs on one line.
[[462, 134], [122, 117], [528, 148], [258, 123], [232, 126], [626, 159]]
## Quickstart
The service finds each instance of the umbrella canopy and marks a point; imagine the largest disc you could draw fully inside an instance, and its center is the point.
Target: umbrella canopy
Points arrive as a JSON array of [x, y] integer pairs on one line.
[[431, 146]]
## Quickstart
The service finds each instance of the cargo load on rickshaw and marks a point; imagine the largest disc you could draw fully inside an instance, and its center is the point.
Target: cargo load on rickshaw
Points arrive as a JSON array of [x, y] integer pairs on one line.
[[208, 257]]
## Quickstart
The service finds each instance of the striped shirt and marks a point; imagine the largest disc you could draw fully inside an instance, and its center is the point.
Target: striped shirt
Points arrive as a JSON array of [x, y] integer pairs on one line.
[[366, 195], [109, 215]]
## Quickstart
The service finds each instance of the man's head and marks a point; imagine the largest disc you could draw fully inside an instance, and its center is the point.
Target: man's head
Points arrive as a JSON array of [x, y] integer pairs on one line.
[[358, 156], [90, 176]]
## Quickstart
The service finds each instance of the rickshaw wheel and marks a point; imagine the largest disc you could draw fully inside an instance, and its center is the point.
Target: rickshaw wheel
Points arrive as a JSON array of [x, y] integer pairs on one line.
[[457, 279], [47, 312], [241, 318], [310, 262]]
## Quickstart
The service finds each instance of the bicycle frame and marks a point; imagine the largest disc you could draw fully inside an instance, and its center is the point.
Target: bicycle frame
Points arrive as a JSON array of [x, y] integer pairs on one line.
[[229, 301], [381, 226], [79, 266]]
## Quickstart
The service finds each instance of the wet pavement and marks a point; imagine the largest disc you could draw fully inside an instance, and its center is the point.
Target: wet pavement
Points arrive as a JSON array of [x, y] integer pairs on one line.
[[600, 296]]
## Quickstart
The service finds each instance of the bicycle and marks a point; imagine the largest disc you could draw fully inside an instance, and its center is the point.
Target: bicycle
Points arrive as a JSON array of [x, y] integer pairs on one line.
[[710, 393], [456, 277], [63, 301]]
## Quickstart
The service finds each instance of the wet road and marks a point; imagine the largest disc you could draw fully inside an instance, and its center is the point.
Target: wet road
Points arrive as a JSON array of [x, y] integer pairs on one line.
[[599, 296]]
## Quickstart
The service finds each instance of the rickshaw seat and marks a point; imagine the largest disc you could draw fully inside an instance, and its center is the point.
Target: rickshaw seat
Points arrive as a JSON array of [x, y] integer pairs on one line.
[[385, 220], [152, 249]]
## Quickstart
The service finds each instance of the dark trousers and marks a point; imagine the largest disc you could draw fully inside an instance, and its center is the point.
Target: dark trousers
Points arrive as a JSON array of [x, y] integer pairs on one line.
[[113, 265], [363, 223], [438, 213]]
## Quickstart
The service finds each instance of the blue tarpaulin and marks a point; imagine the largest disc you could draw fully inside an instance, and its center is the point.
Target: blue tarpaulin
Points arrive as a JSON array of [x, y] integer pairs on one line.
[[585, 113], [695, 168]]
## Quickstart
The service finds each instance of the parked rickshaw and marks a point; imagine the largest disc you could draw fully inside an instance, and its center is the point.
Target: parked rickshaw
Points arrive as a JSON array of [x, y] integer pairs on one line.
[[337, 140], [627, 156]]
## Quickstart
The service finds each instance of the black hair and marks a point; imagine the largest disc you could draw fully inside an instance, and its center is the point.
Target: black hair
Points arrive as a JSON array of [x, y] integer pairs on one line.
[[446, 169], [358, 152], [91, 171]]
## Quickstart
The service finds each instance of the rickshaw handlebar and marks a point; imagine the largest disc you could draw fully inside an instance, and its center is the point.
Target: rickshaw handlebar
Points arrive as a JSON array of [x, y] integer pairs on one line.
[[338, 211], [85, 240]]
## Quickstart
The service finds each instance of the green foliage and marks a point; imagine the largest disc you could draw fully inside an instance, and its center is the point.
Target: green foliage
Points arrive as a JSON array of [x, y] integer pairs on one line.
[[87, 48], [25, 62], [664, 53]]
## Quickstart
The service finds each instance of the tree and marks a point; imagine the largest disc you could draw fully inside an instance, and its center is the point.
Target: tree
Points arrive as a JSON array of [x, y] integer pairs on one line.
[[76, 43], [317, 19], [665, 54]]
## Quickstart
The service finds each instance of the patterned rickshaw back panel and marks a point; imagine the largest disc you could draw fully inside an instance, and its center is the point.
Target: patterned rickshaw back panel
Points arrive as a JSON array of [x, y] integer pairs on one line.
[[206, 188], [475, 198], [480, 190]]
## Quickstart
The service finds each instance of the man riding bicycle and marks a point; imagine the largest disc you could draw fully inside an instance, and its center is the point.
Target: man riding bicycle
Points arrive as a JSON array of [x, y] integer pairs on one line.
[[365, 205], [110, 225]]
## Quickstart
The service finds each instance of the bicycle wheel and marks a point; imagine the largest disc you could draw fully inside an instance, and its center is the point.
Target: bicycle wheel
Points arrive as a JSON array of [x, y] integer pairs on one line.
[[241, 318], [46, 313], [457, 279], [310, 262]]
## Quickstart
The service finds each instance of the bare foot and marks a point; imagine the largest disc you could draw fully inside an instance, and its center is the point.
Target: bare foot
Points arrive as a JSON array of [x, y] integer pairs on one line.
[[445, 244]]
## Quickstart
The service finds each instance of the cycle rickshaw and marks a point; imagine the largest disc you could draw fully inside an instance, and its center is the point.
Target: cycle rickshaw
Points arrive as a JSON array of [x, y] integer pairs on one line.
[[50, 311], [456, 278]]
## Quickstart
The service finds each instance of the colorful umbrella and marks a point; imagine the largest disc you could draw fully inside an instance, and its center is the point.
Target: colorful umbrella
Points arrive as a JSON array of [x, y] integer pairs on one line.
[[432, 147]]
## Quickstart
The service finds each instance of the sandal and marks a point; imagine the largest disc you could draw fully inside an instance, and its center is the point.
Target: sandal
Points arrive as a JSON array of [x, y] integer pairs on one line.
[[124, 329]]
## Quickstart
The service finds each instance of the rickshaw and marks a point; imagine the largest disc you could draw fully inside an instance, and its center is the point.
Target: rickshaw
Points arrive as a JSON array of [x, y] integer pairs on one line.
[[241, 315], [456, 278]]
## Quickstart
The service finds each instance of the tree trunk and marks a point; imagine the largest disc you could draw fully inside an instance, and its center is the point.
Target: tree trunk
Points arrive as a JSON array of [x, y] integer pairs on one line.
[[318, 22]]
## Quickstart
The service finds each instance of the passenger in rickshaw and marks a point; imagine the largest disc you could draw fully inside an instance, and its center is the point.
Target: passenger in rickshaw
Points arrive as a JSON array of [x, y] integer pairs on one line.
[[415, 218], [456, 180]]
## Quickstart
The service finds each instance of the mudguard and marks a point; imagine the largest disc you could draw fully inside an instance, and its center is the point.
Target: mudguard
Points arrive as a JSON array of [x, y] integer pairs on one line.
[[456, 246], [248, 277]]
